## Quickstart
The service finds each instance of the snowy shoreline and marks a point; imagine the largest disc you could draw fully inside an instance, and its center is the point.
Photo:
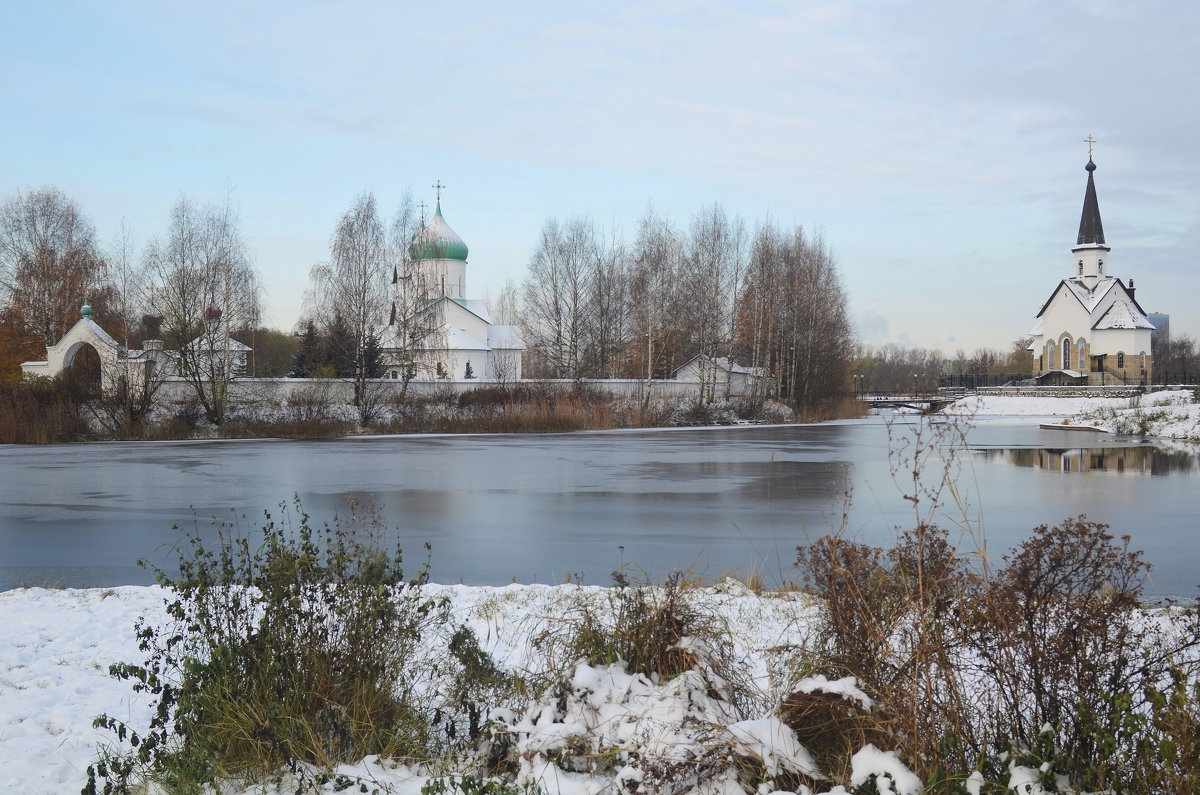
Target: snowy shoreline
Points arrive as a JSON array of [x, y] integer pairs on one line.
[[59, 644], [1167, 415]]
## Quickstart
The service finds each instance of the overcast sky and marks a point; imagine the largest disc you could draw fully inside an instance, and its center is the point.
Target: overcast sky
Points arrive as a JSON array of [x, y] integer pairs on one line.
[[937, 146]]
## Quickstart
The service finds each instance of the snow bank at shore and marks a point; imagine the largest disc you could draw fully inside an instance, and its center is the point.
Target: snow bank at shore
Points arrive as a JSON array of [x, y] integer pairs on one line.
[[1171, 414], [58, 645]]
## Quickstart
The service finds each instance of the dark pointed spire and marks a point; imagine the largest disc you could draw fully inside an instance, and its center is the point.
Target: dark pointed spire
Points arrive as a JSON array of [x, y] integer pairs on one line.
[[1090, 228]]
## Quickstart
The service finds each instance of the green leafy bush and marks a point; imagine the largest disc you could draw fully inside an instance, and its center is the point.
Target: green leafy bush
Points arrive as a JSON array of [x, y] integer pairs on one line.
[[292, 649]]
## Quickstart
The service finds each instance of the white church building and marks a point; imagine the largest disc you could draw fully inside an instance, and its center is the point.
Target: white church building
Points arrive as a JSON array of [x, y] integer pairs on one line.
[[434, 328], [1091, 330]]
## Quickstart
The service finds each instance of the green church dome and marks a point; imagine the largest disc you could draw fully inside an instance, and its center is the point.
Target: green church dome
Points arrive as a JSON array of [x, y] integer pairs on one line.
[[437, 240]]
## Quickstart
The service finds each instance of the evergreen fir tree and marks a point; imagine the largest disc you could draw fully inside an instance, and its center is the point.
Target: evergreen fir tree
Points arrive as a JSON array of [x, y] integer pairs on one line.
[[373, 357], [470, 372], [308, 355], [338, 348]]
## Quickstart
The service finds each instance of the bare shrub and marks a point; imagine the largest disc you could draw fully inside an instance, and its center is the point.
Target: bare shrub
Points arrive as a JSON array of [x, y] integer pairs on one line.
[[890, 619], [39, 411], [1054, 664], [1063, 640]]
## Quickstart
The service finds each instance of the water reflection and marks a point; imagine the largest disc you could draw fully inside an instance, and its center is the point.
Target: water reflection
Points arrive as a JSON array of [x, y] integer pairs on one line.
[[1131, 460], [532, 508]]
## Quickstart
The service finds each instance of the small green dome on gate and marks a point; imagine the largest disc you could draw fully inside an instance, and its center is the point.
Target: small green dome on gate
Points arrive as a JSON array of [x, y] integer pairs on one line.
[[86, 311], [437, 240]]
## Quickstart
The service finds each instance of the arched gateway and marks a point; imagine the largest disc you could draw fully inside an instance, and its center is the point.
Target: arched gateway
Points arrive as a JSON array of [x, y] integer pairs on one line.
[[114, 360]]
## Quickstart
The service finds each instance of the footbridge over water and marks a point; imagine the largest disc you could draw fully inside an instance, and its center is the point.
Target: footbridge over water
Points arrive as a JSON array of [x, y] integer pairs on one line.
[[926, 404]]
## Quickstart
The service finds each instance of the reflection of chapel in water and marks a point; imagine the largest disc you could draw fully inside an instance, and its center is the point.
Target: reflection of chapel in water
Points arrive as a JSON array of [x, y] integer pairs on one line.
[[1142, 460]]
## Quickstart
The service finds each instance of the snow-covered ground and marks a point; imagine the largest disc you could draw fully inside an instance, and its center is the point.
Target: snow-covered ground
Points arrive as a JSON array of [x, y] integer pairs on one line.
[[1171, 414], [57, 646]]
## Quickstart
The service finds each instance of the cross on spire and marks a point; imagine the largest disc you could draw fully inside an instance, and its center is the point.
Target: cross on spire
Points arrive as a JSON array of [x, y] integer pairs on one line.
[[422, 205], [1089, 141], [437, 186]]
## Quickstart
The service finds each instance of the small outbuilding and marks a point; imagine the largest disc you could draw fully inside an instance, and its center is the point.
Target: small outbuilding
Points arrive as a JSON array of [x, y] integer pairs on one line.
[[720, 376]]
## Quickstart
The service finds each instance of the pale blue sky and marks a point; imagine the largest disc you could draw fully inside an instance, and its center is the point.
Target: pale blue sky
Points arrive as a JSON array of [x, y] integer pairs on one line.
[[938, 146]]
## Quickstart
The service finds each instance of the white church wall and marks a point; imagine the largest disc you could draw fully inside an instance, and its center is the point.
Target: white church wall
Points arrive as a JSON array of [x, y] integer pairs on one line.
[[478, 360], [466, 320], [267, 391], [504, 364]]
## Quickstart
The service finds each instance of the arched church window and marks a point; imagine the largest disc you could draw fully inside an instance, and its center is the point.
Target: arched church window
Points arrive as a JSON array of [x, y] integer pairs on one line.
[[1100, 263], [1066, 354], [1120, 361], [1080, 267]]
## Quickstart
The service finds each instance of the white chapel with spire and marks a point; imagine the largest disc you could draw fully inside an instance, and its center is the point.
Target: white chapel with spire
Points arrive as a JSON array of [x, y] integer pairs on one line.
[[1091, 330], [435, 331]]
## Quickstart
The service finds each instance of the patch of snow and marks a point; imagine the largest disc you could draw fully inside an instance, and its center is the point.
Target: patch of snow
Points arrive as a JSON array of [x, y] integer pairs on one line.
[[772, 741], [846, 687], [891, 776]]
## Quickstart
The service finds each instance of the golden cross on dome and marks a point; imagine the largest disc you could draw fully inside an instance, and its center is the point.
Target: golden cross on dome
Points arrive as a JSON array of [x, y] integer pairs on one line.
[[438, 187], [1089, 141], [422, 205]]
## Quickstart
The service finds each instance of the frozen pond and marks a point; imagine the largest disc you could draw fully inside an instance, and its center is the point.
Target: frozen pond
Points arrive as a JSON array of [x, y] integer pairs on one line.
[[540, 508]]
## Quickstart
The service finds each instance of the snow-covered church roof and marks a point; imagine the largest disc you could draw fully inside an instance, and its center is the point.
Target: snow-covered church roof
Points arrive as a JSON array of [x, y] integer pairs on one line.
[[1123, 315], [506, 337], [1090, 298], [456, 339]]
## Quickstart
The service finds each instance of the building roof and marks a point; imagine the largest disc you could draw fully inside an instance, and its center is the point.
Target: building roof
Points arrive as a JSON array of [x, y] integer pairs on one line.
[[506, 338], [104, 336], [436, 240], [1088, 297], [723, 363], [458, 340], [1091, 231], [216, 342], [1123, 315], [1091, 297]]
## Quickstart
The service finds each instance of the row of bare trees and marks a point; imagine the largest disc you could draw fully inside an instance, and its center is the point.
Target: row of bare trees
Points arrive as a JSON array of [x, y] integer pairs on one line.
[[371, 294], [595, 306], [194, 287], [897, 368]]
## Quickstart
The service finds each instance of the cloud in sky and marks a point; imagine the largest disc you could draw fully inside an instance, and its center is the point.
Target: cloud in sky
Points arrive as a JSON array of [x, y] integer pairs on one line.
[[936, 145]]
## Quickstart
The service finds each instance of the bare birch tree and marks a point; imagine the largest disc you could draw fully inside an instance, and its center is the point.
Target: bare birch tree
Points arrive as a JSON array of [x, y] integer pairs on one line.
[[556, 290], [605, 327], [205, 288], [795, 321], [655, 262], [713, 262], [352, 289]]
